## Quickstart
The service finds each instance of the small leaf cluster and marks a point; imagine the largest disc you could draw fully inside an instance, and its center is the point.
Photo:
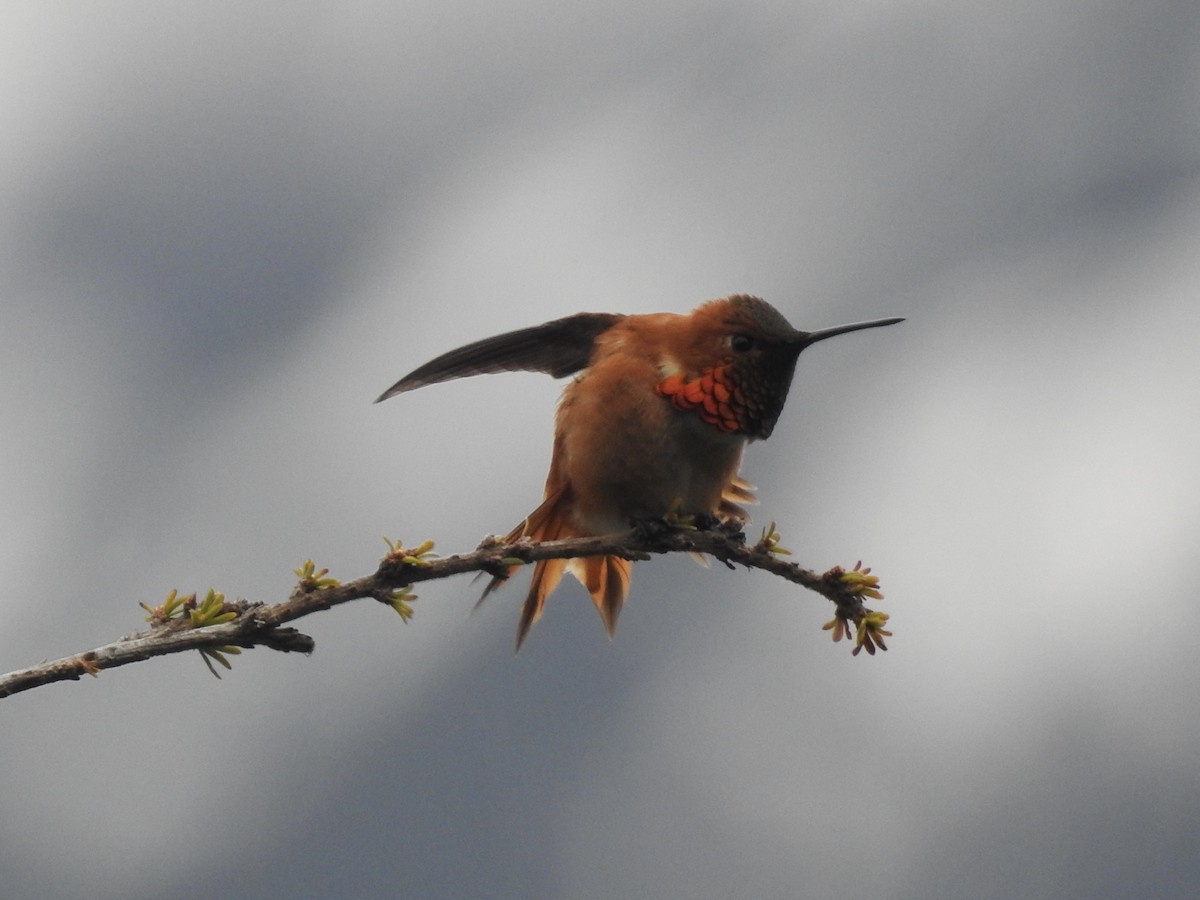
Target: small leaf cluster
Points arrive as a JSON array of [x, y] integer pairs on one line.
[[868, 624], [187, 611], [210, 611], [402, 598], [409, 556], [769, 542], [314, 579]]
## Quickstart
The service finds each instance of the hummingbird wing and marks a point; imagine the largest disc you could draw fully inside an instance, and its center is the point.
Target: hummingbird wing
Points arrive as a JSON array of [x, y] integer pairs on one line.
[[557, 348]]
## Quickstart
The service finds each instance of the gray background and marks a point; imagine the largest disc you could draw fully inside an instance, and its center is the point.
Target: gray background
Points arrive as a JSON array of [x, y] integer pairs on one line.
[[226, 227]]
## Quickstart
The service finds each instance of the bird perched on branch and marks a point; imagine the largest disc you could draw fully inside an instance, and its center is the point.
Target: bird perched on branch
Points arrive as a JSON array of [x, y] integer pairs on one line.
[[654, 424]]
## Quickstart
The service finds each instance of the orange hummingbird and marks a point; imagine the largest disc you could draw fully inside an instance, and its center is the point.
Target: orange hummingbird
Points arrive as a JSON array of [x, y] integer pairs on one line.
[[654, 424]]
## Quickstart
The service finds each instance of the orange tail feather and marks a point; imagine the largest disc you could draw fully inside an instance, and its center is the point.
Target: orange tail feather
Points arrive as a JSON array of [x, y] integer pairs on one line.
[[605, 577], [607, 580], [546, 575]]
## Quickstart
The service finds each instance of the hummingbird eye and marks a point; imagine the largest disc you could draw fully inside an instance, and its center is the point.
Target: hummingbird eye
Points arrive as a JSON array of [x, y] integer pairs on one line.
[[741, 343]]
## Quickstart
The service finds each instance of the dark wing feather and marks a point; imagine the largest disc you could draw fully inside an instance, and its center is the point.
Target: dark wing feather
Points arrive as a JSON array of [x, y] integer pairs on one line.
[[557, 348]]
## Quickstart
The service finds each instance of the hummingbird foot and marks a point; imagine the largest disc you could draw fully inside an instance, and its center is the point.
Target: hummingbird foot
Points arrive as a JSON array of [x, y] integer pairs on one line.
[[651, 527]]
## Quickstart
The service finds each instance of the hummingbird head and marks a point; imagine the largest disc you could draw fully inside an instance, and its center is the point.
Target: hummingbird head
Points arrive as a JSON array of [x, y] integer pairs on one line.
[[743, 389], [760, 352]]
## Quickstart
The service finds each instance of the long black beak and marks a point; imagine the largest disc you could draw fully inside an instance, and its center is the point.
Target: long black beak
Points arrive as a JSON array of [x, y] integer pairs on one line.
[[811, 337]]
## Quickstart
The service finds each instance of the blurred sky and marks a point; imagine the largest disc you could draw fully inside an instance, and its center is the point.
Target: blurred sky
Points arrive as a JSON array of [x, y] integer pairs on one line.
[[226, 227]]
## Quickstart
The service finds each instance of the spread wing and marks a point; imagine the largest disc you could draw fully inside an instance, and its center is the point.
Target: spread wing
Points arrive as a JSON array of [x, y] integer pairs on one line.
[[557, 348]]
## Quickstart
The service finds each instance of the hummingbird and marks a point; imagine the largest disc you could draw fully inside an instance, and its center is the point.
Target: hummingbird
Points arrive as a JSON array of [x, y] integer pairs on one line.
[[653, 425]]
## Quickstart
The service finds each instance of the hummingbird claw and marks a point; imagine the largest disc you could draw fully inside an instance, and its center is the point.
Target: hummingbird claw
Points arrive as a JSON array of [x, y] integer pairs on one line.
[[650, 527]]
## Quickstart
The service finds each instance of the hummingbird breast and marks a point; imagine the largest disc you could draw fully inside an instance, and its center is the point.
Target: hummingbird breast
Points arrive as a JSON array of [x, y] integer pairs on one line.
[[626, 451]]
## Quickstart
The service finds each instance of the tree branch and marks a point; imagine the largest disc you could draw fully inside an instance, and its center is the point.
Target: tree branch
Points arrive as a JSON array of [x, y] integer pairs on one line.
[[181, 624]]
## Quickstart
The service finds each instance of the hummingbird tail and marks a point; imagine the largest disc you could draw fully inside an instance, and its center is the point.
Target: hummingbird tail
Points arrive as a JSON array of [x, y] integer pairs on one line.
[[605, 577], [607, 580]]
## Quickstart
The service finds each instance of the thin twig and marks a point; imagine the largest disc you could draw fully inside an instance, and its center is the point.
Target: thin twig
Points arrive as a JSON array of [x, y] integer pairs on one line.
[[261, 625]]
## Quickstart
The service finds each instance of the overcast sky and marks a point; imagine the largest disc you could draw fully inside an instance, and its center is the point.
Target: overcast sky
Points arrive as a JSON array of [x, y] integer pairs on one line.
[[226, 227]]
